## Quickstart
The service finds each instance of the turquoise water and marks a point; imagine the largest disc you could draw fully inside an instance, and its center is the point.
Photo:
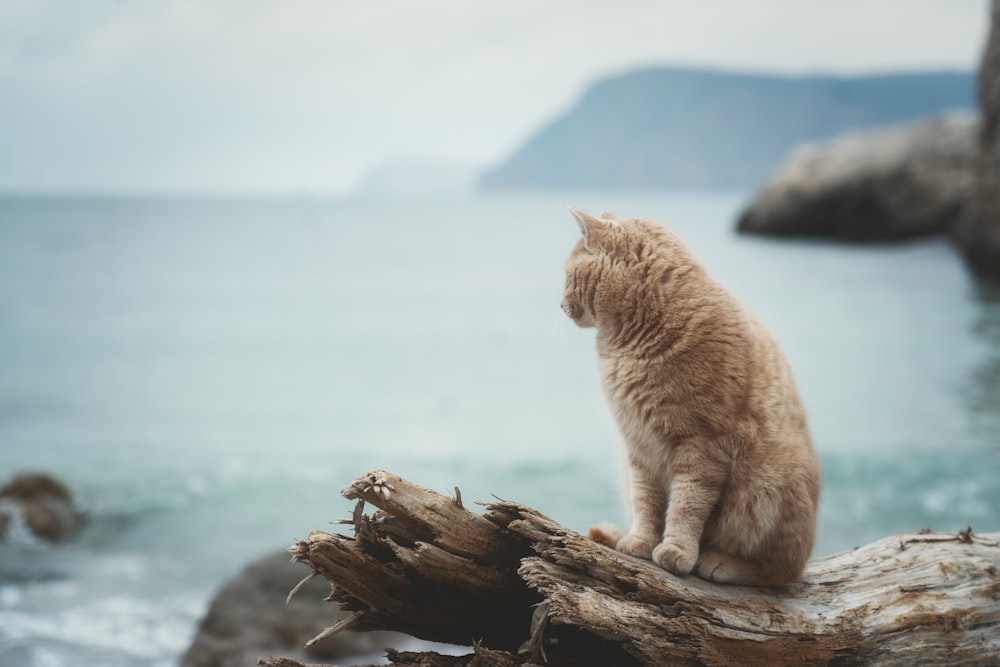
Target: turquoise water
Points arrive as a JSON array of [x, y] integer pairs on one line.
[[206, 375]]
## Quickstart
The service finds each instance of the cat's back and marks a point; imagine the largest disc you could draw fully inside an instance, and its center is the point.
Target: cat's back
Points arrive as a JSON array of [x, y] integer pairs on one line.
[[691, 348]]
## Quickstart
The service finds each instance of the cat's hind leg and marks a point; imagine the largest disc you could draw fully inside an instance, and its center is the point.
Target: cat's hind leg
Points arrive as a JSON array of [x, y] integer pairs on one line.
[[724, 568], [607, 534]]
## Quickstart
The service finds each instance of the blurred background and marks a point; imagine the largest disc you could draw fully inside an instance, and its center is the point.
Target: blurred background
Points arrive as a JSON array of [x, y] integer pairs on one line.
[[251, 250]]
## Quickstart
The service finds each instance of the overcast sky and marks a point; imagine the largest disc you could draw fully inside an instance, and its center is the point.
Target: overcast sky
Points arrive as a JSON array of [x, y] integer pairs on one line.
[[306, 96]]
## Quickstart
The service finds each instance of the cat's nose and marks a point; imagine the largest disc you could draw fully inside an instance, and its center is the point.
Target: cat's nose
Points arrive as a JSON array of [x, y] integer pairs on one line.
[[568, 308]]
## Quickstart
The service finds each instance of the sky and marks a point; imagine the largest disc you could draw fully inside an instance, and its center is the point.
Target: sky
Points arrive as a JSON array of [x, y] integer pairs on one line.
[[307, 97]]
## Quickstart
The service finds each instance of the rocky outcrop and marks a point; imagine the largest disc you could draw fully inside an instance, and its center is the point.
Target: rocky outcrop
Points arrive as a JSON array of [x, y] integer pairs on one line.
[[882, 185], [37, 506], [249, 619], [979, 235]]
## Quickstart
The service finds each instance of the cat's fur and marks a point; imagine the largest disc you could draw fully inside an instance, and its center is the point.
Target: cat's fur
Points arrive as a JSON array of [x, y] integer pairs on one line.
[[724, 479]]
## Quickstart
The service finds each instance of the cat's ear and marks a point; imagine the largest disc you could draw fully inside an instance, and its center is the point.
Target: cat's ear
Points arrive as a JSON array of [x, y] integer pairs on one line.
[[595, 231], [608, 215]]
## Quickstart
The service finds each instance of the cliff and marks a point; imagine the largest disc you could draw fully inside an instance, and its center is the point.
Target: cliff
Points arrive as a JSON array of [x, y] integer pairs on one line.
[[674, 128], [979, 234]]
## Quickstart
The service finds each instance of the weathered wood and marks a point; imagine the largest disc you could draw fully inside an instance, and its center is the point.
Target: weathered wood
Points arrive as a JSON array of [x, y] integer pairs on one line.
[[524, 587], [480, 657]]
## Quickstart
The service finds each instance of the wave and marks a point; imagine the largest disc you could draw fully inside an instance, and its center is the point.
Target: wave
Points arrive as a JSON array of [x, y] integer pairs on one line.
[[114, 631]]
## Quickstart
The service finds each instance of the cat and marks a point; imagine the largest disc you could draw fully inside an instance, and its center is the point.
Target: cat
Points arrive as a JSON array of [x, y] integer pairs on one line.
[[723, 476]]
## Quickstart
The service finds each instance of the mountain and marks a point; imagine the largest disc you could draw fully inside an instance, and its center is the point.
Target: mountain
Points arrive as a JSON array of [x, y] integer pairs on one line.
[[672, 128]]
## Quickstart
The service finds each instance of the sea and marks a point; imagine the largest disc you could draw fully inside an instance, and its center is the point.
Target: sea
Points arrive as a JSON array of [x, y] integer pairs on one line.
[[206, 374]]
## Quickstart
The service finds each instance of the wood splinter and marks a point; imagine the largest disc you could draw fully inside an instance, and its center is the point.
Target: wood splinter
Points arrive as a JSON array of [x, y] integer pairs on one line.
[[305, 580], [342, 624]]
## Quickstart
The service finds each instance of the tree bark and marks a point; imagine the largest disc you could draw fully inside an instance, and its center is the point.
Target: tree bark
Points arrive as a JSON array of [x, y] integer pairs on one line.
[[522, 589]]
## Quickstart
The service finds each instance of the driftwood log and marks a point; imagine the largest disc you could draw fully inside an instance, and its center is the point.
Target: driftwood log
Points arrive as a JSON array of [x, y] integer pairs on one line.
[[521, 589]]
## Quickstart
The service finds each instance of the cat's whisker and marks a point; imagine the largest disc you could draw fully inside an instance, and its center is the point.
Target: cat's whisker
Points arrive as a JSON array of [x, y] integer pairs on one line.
[[557, 324]]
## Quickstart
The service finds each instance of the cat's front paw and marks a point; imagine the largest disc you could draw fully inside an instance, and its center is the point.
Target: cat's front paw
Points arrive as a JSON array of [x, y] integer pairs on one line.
[[635, 545], [675, 557]]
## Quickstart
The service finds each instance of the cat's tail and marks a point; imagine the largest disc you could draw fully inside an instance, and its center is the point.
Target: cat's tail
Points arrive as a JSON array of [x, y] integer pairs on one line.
[[607, 534]]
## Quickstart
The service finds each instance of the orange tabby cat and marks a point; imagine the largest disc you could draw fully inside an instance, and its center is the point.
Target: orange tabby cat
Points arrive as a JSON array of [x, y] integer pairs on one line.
[[724, 480]]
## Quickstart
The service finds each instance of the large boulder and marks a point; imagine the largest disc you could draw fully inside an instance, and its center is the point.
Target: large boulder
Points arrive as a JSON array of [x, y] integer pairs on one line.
[[248, 619], [36, 506], [979, 234], [895, 183]]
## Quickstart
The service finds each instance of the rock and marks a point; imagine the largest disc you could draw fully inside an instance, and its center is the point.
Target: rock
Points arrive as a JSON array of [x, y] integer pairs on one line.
[[979, 234], [248, 619], [895, 183], [38, 505]]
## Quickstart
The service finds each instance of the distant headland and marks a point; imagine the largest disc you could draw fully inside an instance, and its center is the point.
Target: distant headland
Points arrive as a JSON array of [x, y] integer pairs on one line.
[[675, 128]]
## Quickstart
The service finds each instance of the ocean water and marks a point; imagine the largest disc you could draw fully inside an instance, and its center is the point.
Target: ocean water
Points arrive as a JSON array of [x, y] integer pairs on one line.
[[206, 375]]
